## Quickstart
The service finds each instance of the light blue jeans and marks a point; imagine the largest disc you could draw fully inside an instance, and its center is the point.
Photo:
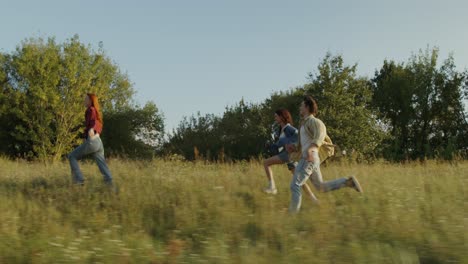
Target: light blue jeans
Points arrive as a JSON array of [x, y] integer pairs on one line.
[[92, 147], [304, 170]]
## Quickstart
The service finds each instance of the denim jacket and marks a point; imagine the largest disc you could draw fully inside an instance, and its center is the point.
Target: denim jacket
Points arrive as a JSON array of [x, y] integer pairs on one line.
[[291, 136]]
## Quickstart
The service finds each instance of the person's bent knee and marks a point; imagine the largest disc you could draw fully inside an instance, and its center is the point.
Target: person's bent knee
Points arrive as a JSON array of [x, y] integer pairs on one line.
[[318, 186]]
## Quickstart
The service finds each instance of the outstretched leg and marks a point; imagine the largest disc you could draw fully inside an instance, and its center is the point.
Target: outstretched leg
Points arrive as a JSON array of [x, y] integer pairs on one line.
[[316, 176], [82, 150]]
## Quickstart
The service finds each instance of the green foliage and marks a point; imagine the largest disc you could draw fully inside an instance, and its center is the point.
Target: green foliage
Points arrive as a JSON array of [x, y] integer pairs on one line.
[[239, 134], [200, 132], [243, 129], [43, 84], [290, 100], [423, 107], [407, 111], [410, 110], [134, 132], [343, 99], [46, 83]]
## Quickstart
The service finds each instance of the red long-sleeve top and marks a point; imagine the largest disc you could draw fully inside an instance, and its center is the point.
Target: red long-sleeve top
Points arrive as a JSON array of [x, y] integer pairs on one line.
[[92, 121]]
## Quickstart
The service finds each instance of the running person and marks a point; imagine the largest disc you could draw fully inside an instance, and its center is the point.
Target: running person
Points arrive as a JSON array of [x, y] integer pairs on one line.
[[92, 145], [312, 135]]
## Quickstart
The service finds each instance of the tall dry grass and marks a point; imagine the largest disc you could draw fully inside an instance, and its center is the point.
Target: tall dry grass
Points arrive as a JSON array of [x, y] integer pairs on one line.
[[180, 212]]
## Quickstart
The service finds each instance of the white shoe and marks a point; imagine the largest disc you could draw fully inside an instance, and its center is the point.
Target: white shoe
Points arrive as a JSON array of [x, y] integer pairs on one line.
[[315, 200], [270, 190], [355, 184]]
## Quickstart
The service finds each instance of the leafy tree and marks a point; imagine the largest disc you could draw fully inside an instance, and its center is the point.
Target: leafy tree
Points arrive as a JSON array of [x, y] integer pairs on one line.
[[423, 106], [289, 100], [238, 134], [343, 99], [393, 90], [242, 130], [134, 132], [411, 110], [43, 84], [195, 134], [450, 128]]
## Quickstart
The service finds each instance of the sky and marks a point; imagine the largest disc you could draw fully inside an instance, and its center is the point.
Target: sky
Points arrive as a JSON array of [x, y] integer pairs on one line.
[[201, 56]]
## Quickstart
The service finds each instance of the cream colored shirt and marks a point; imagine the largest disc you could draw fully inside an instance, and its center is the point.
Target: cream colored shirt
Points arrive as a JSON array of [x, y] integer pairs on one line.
[[313, 131], [306, 141]]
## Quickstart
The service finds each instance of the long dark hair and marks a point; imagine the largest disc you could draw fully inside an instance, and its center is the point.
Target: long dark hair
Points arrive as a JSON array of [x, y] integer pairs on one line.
[[310, 103], [284, 115]]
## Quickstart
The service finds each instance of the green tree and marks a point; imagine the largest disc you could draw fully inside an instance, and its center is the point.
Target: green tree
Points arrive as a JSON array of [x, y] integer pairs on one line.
[[393, 90], [343, 99], [136, 132], [450, 128], [45, 85], [240, 133], [200, 132], [5, 102], [243, 130], [289, 100], [423, 106]]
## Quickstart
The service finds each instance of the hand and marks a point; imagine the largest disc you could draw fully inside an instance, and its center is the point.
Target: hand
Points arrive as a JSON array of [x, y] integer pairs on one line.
[[310, 155], [91, 133], [290, 148]]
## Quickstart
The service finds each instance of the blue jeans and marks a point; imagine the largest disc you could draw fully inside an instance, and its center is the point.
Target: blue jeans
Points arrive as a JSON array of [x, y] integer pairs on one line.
[[89, 147], [304, 170]]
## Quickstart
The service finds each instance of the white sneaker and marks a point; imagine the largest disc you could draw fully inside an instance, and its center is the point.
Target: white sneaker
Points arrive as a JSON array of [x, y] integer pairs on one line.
[[270, 190], [355, 184], [315, 200]]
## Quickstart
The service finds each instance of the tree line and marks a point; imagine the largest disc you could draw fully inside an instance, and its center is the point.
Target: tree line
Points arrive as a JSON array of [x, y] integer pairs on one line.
[[406, 111]]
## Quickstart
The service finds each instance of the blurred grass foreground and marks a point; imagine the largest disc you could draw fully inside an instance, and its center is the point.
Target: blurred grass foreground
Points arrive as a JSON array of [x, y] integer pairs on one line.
[[184, 212]]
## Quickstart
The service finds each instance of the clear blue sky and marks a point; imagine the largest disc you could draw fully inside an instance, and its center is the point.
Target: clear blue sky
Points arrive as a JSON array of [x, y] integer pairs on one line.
[[190, 56]]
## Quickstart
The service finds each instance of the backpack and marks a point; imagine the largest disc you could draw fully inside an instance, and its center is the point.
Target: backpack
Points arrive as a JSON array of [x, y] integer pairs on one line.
[[327, 149]]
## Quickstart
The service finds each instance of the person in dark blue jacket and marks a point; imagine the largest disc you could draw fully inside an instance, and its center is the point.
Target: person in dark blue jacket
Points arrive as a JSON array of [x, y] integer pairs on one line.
[[287, 134]]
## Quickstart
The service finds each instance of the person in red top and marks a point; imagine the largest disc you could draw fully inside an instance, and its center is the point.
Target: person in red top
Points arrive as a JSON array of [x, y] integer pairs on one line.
[[93, 121], [92, 145]]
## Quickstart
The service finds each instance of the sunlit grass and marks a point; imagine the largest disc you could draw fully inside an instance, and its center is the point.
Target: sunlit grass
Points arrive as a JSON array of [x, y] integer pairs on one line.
[[181, 212]]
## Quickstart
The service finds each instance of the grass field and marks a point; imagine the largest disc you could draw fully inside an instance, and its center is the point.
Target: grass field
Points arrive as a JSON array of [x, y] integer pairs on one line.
[[182, 212]]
